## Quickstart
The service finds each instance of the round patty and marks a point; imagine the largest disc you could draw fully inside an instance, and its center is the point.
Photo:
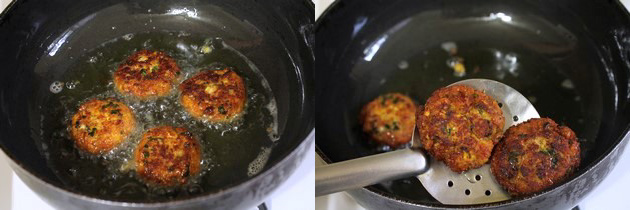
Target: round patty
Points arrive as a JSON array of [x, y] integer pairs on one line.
[[214, 95], [460, 125], [534, 155], [389, 119], [146, 74], [100, 125], [167, 156]]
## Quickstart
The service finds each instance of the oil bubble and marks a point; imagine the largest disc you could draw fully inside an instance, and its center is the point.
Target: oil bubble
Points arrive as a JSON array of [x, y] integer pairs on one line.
[[259, 163], [72, 84], [128, 37], [56, 87], [252, 134], [92, 59], [403, 65]]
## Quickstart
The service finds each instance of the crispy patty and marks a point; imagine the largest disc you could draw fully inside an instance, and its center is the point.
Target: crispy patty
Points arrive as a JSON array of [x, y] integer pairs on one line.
[[146, 74], [100, 125], [460, 126], [389, 119], [214, 95], [167, 156], [535, 155]]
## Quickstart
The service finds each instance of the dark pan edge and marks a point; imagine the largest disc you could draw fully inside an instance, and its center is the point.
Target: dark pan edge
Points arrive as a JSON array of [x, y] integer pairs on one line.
[[295, 156]]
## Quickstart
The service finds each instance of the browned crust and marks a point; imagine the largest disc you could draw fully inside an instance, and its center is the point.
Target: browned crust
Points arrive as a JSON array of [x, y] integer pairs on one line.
[[389, 119], [214, 95], [534, 156], [146, 74], [460, 125], [167, 156], [100, 125]]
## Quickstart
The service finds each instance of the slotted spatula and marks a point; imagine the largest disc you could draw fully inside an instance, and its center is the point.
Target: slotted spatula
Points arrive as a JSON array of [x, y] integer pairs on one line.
[[471, 187]]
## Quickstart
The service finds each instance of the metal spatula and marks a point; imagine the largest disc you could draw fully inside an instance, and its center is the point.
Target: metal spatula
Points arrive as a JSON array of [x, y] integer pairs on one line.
[[471, 187]]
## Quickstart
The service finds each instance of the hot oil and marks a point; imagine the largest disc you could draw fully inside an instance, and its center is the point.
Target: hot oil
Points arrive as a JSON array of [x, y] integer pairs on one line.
[[231, 152], [539, 81], [552, 92], [545, 62]]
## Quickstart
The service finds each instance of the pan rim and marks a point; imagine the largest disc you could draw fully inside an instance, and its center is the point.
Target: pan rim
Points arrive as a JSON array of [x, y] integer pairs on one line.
[[374, 192], [625, 136], [310, 137], [303, 138]]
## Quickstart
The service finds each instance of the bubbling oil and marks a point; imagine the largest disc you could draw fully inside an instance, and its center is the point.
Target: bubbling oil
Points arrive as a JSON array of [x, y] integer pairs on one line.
[[231, 152]]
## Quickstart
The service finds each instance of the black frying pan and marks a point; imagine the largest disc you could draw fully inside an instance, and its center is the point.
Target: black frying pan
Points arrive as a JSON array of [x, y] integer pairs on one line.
[[570, 58], [48, 41]]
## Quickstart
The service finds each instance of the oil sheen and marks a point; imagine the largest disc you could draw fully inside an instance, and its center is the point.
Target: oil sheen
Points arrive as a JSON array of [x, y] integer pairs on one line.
[[231, 153], [547, 62]]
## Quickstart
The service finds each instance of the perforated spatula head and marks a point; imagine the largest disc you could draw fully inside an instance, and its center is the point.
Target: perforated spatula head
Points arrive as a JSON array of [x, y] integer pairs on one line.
[[477, 185]]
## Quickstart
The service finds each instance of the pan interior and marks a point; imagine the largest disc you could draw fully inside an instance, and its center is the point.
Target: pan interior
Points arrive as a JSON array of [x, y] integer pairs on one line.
[[83, 49], [551, 60], [230, 152]]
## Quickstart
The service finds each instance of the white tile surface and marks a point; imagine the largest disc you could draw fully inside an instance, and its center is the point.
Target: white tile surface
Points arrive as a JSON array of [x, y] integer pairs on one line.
[[298, 192], [4, 3], [321, 5], [340, 200], [6, 177], [24, 198], [611, 194]]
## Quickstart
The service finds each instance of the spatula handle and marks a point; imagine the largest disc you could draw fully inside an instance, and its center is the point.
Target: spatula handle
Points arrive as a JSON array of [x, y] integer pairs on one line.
[[369, 170]]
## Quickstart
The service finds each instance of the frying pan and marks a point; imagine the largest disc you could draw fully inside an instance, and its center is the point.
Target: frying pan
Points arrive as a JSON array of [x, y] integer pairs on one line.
[[42, 40], [570, 58]]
